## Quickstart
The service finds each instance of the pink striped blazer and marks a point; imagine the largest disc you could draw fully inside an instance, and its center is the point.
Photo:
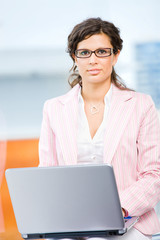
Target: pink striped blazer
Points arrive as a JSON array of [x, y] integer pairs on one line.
[[131, 145]]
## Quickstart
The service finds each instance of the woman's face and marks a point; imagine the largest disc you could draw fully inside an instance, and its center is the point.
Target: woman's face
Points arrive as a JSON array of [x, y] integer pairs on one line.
[[95, 69]]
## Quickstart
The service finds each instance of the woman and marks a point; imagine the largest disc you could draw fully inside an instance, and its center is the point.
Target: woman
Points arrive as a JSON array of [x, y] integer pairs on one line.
[[101, 121]]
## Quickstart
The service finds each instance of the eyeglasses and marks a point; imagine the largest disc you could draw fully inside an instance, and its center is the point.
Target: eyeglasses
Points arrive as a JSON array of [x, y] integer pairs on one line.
[[101, 52]]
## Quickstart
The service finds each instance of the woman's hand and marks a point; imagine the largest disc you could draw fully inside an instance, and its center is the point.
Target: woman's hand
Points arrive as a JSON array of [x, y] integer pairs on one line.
[[124, 212]]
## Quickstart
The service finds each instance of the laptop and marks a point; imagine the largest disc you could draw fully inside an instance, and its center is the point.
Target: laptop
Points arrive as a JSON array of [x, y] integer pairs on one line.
[[66, 202]]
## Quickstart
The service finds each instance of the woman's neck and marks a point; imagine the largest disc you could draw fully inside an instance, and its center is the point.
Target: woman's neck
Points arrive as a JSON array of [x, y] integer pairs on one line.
[[95, 93]]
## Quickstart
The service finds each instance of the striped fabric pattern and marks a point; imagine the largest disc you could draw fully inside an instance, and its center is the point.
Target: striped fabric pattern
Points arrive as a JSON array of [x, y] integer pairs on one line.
[[131, 145]]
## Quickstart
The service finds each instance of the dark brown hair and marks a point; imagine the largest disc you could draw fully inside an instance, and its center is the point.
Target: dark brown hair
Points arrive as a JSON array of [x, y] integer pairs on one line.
[[85, 30]]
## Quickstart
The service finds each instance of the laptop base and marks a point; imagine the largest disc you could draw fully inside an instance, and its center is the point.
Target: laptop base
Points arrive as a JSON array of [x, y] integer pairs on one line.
[[74, 235]]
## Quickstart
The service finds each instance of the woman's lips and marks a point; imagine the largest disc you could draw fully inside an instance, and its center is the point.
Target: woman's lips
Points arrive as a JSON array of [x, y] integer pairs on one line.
[[94, 71]]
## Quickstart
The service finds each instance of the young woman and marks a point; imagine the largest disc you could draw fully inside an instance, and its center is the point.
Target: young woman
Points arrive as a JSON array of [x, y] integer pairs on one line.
[[101, 121]]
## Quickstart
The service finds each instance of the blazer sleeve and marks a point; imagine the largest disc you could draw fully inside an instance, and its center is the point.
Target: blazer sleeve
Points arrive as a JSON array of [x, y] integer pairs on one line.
[[47, 144], [144, 194]]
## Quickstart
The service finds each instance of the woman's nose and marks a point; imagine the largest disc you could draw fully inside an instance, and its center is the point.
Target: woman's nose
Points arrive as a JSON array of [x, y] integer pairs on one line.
[[93, 58]]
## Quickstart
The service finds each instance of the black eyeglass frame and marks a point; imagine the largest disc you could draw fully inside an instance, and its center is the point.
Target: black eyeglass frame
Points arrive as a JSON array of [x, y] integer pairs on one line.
[[112, 50]]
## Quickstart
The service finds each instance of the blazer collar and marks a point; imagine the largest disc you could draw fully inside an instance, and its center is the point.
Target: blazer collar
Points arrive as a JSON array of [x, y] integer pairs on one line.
[[122, 95], [122, 106]]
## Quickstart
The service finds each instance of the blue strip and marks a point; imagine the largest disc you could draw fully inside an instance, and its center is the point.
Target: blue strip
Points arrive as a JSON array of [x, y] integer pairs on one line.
[[129, 217]]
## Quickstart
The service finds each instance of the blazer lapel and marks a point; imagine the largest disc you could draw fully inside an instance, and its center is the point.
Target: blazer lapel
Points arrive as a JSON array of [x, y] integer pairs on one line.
[[122, 105], [69, 126]]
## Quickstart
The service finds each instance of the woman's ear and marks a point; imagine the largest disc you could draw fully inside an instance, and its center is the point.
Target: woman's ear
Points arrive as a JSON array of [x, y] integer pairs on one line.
[[115, 57], [74, 58]]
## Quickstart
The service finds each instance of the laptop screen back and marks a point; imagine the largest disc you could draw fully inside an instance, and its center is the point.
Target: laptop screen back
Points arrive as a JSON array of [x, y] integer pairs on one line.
[[65, 199]]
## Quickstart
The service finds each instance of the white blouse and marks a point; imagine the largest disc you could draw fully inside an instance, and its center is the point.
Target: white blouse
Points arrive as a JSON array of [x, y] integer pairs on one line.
[[90, 150]]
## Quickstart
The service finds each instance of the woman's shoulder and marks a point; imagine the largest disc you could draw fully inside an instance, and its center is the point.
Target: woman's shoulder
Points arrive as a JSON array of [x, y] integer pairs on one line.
[[138, 94], [142, 97], [129, 93], [143, 102], [62, 99]]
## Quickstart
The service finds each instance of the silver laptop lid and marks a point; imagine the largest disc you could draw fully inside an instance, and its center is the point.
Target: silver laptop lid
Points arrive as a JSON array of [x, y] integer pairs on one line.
[[65, 199]]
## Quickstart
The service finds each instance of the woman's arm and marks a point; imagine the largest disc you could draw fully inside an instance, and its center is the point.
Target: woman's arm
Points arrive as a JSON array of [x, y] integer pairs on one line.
[[47, 146], [144, 194]]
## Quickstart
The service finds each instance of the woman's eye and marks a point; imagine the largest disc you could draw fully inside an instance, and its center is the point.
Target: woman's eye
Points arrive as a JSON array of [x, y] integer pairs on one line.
[[85, 52], [101, 51]]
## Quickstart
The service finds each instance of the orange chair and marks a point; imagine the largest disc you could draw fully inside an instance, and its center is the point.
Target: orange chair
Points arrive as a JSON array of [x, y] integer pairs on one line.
[[19, 153], [2, 169]]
